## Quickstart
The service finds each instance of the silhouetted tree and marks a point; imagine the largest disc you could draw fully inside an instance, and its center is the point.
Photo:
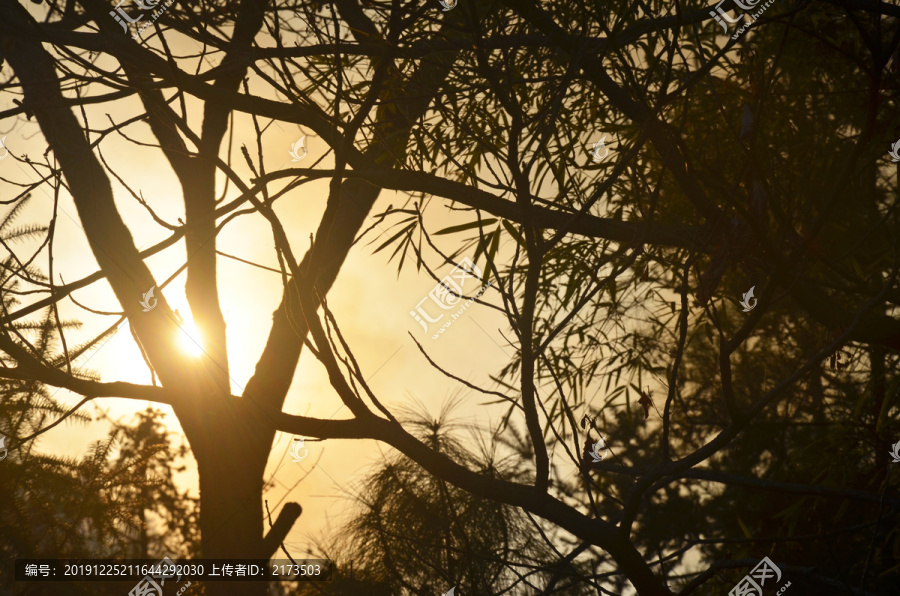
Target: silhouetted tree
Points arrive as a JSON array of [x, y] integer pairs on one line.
[[736, 160], [412, 533]]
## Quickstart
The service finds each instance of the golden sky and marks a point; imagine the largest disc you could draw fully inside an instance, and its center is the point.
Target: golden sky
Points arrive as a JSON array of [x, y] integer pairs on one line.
[[370, 302]]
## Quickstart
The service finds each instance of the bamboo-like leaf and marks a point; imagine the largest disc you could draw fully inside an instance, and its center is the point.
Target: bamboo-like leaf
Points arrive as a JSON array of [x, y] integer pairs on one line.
[[404, 230], [464, 227], [513, 232]]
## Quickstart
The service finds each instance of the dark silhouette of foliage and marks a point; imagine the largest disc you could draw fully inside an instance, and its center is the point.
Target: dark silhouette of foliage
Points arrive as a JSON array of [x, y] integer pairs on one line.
[[736, 160], [412, 533]]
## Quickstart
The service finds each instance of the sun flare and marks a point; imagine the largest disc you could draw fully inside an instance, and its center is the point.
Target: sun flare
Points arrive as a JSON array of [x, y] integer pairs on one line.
[[189, 340]]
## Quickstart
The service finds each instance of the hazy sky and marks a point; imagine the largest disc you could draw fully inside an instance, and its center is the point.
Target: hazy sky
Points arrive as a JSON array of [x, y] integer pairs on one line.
[[370, 301], [371, 304]]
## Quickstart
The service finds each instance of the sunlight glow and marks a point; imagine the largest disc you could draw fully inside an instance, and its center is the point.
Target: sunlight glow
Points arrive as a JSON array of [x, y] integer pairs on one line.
[[189, 340]]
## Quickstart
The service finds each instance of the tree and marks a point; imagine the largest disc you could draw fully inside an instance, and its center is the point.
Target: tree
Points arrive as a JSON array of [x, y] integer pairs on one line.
[[94, 506], [417, 534], [617, 274]]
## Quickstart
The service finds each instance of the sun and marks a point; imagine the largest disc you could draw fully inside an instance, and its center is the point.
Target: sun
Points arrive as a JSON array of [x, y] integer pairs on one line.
[[189, 340]]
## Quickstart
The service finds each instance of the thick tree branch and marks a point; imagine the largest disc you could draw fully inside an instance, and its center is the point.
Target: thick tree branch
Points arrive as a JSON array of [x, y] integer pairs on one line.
[[91, 389], [345, 213], [109, 238], [279, 530], [786, 487], [596, 531]]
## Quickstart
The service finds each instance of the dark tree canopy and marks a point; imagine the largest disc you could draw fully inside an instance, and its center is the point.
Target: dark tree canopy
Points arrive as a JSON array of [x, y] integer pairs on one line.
[[682, 217]]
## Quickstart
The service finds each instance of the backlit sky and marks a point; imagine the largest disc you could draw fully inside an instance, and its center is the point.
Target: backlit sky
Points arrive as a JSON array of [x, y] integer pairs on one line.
[[371, 304], [370, 301]]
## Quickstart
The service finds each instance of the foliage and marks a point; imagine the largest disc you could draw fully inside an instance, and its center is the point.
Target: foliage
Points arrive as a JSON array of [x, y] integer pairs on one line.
[[93, 506], [412, 533], [756, 162]]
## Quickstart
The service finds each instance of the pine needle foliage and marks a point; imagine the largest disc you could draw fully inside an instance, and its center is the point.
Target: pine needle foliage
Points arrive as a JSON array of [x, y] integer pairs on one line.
[[116, 500], [413, 533]]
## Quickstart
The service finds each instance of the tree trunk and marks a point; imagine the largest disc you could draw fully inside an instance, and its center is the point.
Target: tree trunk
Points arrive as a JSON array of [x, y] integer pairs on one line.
[[231, 459]]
